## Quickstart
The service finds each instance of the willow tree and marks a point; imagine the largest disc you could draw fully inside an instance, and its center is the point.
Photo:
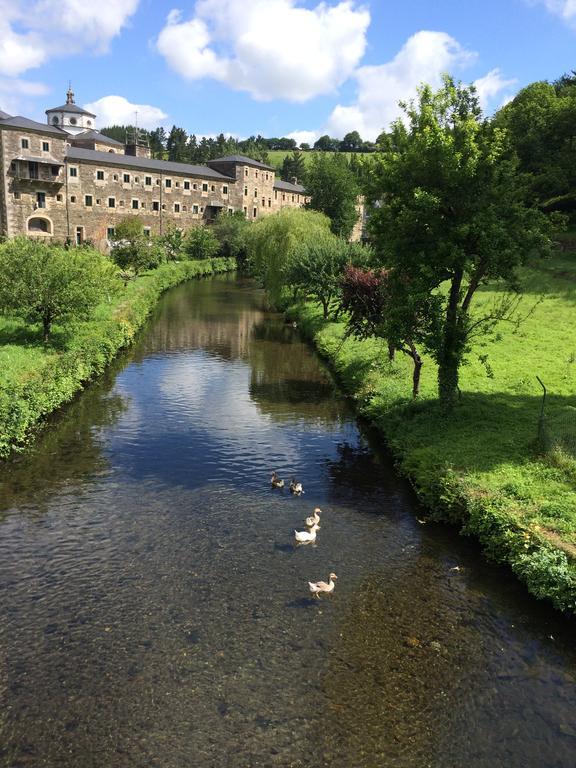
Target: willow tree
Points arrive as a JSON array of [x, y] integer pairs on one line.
[[272, 244], [449, 214]]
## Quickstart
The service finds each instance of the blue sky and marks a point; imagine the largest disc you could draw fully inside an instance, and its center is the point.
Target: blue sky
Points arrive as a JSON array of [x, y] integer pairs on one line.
[[275, 67]]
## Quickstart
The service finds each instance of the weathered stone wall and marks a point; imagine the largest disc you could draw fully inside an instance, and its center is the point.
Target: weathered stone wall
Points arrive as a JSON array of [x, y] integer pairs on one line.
[[84, 199]]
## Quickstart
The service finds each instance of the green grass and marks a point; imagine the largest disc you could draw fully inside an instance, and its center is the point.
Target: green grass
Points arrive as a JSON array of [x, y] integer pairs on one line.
[[484, 467], [37, 378]]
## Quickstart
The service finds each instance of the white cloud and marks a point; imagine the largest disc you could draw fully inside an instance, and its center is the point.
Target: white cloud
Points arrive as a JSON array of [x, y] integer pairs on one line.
[[271, 48], [32, 33], [15, 92], [565, 9], [116, 110], [423, 58], [303, 137], [492, 85]]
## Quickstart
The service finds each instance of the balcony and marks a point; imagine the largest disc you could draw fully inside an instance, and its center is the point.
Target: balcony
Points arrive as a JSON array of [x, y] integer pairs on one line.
[[37, 170]]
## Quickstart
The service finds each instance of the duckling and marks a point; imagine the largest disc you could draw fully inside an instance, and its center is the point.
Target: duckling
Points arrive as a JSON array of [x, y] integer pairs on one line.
[[314, 519], [317, 587], [276, 482], [296, 488], [305, 537]]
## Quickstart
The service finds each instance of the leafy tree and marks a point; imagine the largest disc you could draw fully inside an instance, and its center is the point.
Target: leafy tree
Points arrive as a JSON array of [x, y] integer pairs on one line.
[[201, 243], [177, 145], [317, 269], [272, 242], [158, 141], [172, 243], [49, 284], [232, 234], [450, 216], [131, 249], [352, 142], [327, 144], [305, 147], [294, 166], [333, 190]]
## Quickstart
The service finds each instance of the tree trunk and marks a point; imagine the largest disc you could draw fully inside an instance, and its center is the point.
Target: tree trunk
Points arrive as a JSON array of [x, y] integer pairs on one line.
[[451, 350], [417, 371], [46, 326], [391, 351], [325, 303]]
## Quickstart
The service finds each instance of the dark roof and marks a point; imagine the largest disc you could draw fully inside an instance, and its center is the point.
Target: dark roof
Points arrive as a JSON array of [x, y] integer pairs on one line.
[[241, 160], [71, 108], [32, 125], [4, 115], [128, 161], [286, 186], [96, 136], [46, 160]]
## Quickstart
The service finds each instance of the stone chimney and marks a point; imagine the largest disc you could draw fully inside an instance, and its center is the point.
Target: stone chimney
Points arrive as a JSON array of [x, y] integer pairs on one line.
[[294, 180], [137, 150]]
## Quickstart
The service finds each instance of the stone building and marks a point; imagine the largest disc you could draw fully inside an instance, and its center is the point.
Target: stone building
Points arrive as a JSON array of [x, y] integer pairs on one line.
[[65, 180]]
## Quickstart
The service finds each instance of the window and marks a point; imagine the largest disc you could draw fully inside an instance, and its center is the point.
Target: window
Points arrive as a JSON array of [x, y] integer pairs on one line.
[[135, 205], [142, 205], [88, 200], [136, 179], [54, 120], [283, 196], [176, 207], [263, 202], [245, 191], [194, 209], [157, 182], [59, 198], [155, 205], [72, 198], [194, 186], [111, 202], [98, 201], [186, 185], [24, 143], [254, 212], [213, 188], [17, 195], [269, 202], [292, 198], [168, 183], [256, 174], [225, 189], [266, 177], [245, 211], [74, 172], [147, 232], [126, 178], [148, 181], [201, 209], [99, 175], [184, 208], [204, 187], [121, 204], [275, 194], [110, 232], [230, 211], [246, 172], [115, 177], [54, 170], [45, 146], [255, 193], [79, 235], [177, 183], [73, 121]]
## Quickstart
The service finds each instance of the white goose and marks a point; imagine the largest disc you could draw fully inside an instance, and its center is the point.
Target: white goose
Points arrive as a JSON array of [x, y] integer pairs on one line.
[[318, 587], [304, 537], [314, 519]]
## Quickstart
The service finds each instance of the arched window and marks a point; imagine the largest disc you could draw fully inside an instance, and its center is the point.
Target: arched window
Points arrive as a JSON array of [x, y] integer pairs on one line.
[[72, 121], [88, 122], [37, 225], [54, 120]]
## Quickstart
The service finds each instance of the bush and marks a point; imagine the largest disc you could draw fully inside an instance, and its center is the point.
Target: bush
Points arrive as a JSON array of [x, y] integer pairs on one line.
[[201, 243]]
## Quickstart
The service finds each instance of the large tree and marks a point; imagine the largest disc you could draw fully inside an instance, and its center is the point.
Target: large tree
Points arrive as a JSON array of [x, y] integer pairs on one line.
[[333, 189], [449, 214], [49, 284]]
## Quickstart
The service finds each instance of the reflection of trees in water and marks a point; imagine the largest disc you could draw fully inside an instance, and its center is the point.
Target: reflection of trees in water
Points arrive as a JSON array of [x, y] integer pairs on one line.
[[67, 450], [212, 315], [287, 380]]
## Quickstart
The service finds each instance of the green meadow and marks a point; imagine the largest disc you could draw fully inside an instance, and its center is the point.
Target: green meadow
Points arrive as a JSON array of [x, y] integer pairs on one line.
[[494, 467]]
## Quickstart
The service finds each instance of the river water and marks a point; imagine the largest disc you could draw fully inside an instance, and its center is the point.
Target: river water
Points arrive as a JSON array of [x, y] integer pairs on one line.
[[154, 611]]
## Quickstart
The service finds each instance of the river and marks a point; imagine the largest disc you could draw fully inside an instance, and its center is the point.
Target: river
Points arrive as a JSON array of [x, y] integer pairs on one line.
[[154, 611]]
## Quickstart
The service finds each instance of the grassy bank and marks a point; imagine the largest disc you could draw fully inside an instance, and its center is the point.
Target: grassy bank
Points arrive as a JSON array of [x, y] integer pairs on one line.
[[486, 468], [37, 378]]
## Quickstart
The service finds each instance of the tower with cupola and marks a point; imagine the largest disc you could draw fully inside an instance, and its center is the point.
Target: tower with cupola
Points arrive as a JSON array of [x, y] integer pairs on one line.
[[70, 117]]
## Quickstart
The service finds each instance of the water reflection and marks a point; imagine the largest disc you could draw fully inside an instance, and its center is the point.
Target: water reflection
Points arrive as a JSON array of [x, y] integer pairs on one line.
[[154, 610]]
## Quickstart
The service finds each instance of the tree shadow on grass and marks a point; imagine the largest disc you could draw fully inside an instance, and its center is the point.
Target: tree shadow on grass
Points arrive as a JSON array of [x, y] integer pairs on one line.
[[485, 430], [31, 336]]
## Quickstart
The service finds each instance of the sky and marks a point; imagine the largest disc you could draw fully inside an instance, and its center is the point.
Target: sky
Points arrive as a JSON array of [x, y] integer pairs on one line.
[[298, 68]]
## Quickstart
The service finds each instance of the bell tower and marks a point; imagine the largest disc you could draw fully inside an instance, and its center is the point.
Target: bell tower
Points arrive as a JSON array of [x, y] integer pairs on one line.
[[70, 117]]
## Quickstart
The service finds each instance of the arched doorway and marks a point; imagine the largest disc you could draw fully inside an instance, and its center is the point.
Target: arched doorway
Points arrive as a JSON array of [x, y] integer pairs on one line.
[[39, 226]]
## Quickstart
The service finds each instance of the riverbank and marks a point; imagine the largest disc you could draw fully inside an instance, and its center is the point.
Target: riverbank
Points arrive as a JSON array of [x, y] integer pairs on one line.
[[486, 469], [36, 379]]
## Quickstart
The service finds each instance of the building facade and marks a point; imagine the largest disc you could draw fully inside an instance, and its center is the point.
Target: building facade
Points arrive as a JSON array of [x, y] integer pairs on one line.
[[64, 180]]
